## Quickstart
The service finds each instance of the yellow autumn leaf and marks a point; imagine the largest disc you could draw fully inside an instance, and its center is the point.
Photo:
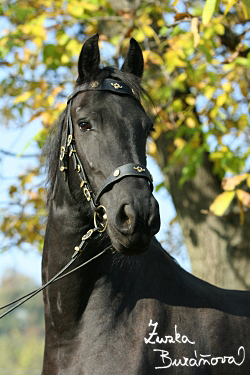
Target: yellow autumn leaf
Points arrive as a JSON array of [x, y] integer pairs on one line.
[[160, 23], [248, 180], [209, 91], [175, 3], [227, 87], [74, 47], [244, 88], [65, 59], [242, 122], [214, 112], [190, 122], [38, 41], [230, 4], [153, 57], [179, 143], [56, 90], [23, 97], [190, 100], [195, 30], [139, 35], [221, 99], [221, 203], [244, 197], [230, 183], [219, 28], [158, 128], [151, 149], [182, 77], [148, 30], [50, 100], [60, 106], [46, 118], [75, 11], [90, 7], [208, 11]]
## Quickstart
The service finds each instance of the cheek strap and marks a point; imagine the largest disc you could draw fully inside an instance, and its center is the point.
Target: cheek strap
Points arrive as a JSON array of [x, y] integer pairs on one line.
[[127, 170]]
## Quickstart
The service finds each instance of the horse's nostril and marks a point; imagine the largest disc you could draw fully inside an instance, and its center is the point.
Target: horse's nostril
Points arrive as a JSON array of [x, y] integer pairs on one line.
[[128, 215], [125, 219]]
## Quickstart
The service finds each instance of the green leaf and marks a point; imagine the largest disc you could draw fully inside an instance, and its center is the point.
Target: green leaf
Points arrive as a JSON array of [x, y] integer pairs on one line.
[[221, 203], [3, 52], [160, 186], [220, 125], [241, 61], [208, 11], [206, 52], [246, 9]]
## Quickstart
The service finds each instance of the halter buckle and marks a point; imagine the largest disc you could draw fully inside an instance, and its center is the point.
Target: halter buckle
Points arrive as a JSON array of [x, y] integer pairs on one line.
[[87, 194], [62, 168], [87, 235], [71, 152], [70, 139], [63, 152], [100, 219]]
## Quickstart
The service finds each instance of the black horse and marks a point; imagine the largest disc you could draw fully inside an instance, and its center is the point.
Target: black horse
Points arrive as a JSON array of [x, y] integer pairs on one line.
[[123, 314]]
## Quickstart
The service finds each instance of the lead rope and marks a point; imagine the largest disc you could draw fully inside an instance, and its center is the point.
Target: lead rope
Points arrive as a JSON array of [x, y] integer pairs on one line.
[[100, 227]]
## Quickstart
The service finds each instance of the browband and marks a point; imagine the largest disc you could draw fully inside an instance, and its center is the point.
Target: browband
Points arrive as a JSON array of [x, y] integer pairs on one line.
[[118, 87]]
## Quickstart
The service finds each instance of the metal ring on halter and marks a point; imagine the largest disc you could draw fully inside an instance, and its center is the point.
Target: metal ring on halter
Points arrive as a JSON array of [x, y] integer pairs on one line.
[[97, 221]]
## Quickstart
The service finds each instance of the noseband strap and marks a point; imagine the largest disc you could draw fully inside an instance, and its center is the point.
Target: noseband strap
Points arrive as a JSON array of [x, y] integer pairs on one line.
[[131, 169], [68, 146]]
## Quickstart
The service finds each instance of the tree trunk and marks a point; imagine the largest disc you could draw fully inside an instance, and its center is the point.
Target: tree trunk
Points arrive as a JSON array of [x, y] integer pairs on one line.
[[219, 248]]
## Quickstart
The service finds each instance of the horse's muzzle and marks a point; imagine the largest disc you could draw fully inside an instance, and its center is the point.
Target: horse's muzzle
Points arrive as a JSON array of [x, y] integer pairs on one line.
[[133, 222]]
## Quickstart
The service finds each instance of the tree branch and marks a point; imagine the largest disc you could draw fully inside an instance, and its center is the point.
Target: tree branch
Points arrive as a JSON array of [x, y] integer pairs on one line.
[[8, 153]]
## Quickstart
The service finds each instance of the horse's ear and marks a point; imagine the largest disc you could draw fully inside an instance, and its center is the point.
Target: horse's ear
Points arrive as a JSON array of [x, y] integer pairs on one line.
[[134, 60], [89, 59]]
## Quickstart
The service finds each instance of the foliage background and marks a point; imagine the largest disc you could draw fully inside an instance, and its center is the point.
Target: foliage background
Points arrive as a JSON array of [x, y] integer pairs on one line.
[[197, 60], [22, 332]]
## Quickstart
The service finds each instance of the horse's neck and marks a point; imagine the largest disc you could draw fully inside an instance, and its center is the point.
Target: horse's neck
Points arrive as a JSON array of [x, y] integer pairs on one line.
[[69, 217], [116, 277]]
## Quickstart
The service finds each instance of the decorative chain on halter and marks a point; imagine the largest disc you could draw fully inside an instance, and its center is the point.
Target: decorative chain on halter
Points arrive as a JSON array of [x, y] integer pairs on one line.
[[68, 149], [100, 225]]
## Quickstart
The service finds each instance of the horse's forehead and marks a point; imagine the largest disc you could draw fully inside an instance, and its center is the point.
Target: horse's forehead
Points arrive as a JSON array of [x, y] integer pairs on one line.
[[107, 102]]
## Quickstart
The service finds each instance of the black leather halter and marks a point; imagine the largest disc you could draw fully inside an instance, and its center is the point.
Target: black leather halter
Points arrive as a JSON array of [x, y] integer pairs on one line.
[[68, 147]]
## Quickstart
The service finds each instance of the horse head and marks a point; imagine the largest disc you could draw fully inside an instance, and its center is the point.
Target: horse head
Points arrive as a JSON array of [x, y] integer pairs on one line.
[[110, 132]]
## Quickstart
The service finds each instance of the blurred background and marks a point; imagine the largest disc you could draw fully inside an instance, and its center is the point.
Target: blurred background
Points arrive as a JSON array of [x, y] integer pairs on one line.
[[197, 60]]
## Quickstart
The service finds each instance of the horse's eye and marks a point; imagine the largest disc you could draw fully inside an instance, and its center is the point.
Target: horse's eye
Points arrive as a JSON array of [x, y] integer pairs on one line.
[[84, 126]]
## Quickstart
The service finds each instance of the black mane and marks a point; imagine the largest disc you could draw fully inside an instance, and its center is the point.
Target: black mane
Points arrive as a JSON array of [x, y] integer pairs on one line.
[[53, 143]]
